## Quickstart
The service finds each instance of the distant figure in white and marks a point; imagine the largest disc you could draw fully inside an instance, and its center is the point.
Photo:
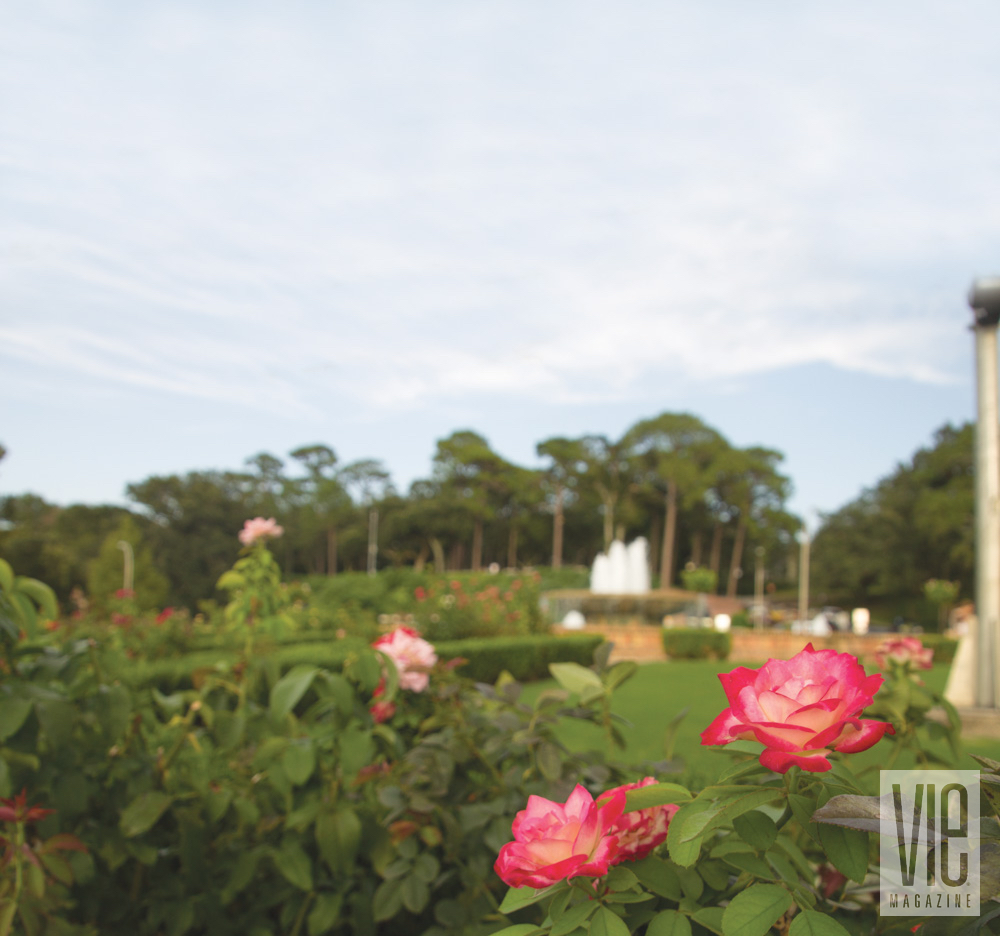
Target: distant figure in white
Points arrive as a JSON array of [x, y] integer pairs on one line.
[[623, 571]]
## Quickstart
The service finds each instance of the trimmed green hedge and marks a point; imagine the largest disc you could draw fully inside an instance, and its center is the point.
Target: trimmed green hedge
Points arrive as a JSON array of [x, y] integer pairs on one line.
[[695, 643], [525, 658], [944, 647]]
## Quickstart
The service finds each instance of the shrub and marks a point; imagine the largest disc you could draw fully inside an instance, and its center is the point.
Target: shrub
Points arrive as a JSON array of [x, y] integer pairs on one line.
[[944, 647], [442, 607], [692, 643], [525, 658]]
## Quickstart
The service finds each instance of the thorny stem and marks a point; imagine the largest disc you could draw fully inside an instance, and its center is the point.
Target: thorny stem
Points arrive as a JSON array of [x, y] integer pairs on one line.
[[301, 916]]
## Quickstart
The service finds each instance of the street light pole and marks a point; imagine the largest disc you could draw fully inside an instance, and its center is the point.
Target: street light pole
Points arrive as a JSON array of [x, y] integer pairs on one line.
[[984, 298], [803, 575], [758, 588]]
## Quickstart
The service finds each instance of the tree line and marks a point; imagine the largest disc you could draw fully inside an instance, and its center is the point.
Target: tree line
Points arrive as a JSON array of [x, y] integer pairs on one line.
[[914, 525], [672, 478]]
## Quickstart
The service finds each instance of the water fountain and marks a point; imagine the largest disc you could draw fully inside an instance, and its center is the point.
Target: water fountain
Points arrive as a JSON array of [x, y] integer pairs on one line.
[[624, 570]]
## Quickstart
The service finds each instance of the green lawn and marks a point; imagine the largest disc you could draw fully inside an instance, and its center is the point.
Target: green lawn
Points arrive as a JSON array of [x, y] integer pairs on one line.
[[659, 691]]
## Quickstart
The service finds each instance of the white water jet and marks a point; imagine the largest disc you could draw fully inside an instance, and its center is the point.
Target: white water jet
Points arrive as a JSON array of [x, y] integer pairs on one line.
[[623, 571]]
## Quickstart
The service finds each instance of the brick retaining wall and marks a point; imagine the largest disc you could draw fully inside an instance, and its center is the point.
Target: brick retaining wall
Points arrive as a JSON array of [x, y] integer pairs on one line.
[[644, 643]]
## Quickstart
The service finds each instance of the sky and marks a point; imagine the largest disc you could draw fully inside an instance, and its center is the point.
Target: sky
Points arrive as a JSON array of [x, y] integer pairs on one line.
[[231, 228]]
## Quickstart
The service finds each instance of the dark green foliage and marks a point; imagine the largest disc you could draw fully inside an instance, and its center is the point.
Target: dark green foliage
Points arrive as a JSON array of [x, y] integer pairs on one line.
[[917, 524], [693, 643], [944, 648], [525, 658]]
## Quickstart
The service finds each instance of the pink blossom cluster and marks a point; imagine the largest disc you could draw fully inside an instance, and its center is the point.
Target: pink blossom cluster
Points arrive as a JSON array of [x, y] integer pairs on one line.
[[581, 837], [905, 651], [800, 709], [412, 656], [259, 528]]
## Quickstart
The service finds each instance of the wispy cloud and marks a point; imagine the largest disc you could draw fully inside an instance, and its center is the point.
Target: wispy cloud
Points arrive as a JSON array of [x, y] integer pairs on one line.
[[411, 205]]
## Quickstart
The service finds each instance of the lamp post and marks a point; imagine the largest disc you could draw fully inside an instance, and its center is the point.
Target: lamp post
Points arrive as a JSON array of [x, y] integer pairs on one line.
[[984, 298], [803, 538], [758, 588], [128, 574]]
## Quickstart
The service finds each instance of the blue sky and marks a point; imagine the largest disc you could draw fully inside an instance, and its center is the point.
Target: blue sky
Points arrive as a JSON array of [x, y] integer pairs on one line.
[[232, 228]]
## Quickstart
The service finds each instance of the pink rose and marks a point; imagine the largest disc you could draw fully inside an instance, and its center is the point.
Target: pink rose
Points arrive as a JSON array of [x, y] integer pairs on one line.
[[906, 651], [259, 528], [412, 655], [556, 841], [639, 832], [799, 709]]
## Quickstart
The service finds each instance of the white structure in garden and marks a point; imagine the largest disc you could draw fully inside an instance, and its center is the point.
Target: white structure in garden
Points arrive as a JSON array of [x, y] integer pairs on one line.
[[623, 571]]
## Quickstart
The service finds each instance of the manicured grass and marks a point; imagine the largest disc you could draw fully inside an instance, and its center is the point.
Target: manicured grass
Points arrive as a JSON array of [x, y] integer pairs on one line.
[[660, 691]]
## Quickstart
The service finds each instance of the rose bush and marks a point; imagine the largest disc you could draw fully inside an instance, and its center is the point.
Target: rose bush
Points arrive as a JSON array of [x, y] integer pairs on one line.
[[905, 652], [557, 841], [800, 709], [779, 842]]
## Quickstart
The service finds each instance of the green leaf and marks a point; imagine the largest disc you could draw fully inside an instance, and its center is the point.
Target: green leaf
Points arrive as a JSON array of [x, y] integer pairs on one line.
[[856, 812], [415, 893], [6, 576], [294, 865], [324, 913], [728, 810], [620, 878], [715, 874], [338, 836], [847, 849], [56, 716], [426, 867], [230, 581], [40, 594], [26, 613], [656, 875], [576, 678], [710, 918], [659, 794], [13, 713], [519, 929], [287, 691], [754, 911], [356, 750], [756, 829], [812, 923], [572, 918], [754, 864], [143, 813], [299, 760], [387, 900], [228, 728], [549, 760], [684, 851], [517, 898], [669, 923], [607, 923]]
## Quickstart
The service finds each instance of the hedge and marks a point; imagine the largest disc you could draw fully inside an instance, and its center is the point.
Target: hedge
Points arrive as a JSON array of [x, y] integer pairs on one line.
[[525, 658], [694, 643], [944, 647]]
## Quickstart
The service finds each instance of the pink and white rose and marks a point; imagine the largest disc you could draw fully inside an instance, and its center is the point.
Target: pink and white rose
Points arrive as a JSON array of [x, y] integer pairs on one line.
[[259, 528], [800, 709], [412, 656], [641, 831], [906, 652], [557, 841]]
